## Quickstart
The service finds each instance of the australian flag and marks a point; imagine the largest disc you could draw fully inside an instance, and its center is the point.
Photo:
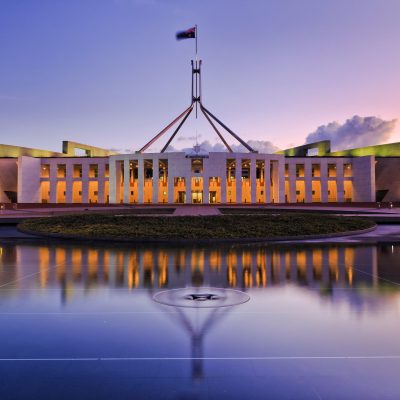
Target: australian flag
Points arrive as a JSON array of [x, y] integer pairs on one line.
[[188, 34]]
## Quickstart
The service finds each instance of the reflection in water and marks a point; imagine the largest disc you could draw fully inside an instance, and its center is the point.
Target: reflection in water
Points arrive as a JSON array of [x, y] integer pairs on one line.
[[114, 286], [317, 267]]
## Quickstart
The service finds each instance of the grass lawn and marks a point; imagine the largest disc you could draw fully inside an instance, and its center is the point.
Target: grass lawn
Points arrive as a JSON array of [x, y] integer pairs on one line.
[[193, 227]]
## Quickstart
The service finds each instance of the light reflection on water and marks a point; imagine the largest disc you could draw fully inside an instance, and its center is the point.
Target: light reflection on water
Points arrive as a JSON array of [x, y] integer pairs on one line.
[[369, 270], [73, 302]]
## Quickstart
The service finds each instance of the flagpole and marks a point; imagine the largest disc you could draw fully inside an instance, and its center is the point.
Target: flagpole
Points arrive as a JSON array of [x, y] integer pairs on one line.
[[195, 36], [196, 39]]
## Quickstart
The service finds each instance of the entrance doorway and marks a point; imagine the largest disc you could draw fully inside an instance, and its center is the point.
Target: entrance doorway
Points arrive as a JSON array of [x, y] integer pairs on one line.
[[197, 196], [181, 197], [213, 197]]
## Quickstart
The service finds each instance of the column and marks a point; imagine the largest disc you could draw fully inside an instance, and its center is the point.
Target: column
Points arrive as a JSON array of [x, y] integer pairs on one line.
[[223, 183], [340, 181], [206, 189], [188, 184], [140, 180], [253, 181], [308, 182], [280, 179], [85, 183], [112, 181], [53, 182], [292, 182], [69, 182], [101, 183], [156, 180], [170, 187], [324, 181], [127, 183], [267, 180]]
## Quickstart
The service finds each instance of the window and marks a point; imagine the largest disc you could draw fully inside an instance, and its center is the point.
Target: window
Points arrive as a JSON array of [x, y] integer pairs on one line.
[[93, 171], [299, 170], [347, 170], [197, 166], [61, 171], [230, 169], [77, 171], [316, 170], [245, 169], [331, 170], [45, 171]]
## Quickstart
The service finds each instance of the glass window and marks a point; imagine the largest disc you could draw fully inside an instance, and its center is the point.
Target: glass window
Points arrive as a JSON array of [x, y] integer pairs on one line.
[[77, 170], [61, 171], [347, 170], [331, 170], [45, 171], [93, 171], [197, 166], [299, 170], [316, 170]]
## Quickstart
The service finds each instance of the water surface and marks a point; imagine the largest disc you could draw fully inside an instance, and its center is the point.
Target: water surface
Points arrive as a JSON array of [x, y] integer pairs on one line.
[[80, 322]]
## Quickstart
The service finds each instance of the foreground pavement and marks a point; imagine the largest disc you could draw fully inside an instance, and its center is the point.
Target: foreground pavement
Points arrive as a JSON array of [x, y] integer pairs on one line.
[[191, 209]]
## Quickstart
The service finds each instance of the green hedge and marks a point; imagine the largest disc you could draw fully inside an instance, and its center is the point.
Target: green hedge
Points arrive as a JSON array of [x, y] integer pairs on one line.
[[201, 227]]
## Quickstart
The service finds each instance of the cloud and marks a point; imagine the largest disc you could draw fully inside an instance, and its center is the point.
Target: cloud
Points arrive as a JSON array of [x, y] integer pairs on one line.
[[263, 146], [204, 145], [355, 132]]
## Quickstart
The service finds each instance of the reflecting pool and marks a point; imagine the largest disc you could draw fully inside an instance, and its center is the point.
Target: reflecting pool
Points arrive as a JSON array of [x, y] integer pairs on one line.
[[80, 321]]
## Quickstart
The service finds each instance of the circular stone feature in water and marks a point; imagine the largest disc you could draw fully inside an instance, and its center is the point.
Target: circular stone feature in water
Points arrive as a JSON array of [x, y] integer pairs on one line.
[[201, 297]]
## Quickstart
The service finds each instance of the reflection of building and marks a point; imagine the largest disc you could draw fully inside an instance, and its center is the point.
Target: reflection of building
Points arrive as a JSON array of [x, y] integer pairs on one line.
[[328, 271], [317, 266]]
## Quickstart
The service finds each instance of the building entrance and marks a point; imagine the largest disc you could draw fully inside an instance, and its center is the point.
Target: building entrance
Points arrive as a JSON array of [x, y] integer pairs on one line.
[[197, 196], [212, 197], [181, 197]]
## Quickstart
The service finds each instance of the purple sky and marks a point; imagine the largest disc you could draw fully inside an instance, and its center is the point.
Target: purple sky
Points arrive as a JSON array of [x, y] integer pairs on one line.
[[110, 72]]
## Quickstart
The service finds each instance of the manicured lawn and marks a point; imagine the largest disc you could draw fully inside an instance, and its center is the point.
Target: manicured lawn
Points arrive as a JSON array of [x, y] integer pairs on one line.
[[202, 227]]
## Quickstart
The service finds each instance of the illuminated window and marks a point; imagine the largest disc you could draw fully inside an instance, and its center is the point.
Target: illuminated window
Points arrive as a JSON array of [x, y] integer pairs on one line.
[[77, 170], [197, 166], [347, 170], [45, 171], [315, 170], [93, 171], [331, 170], [299, 170], [61, 171]]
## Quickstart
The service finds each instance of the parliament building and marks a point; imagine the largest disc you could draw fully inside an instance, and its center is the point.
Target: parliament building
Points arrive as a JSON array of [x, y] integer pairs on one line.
[[311, 173]]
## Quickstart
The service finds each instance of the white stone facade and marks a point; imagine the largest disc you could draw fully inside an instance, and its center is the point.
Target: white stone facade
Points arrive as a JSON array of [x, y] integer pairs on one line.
[[171, 178]]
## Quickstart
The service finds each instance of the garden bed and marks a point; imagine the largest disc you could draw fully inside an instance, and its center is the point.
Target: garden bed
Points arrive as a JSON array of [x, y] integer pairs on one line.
[[192, 228]]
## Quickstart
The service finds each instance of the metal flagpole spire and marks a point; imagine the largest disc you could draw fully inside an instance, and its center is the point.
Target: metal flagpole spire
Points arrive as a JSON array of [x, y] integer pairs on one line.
[[196, 38], [196, 64], [195, 102]]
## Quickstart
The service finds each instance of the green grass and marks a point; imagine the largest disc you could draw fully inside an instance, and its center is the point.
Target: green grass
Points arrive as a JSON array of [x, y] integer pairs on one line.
[[207, 227]]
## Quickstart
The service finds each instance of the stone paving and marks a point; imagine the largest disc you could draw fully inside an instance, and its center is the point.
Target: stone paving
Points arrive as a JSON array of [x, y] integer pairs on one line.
[[189, 209]]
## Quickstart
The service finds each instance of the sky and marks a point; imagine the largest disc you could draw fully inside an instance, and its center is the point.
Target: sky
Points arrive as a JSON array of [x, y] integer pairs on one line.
[[110, 72]]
